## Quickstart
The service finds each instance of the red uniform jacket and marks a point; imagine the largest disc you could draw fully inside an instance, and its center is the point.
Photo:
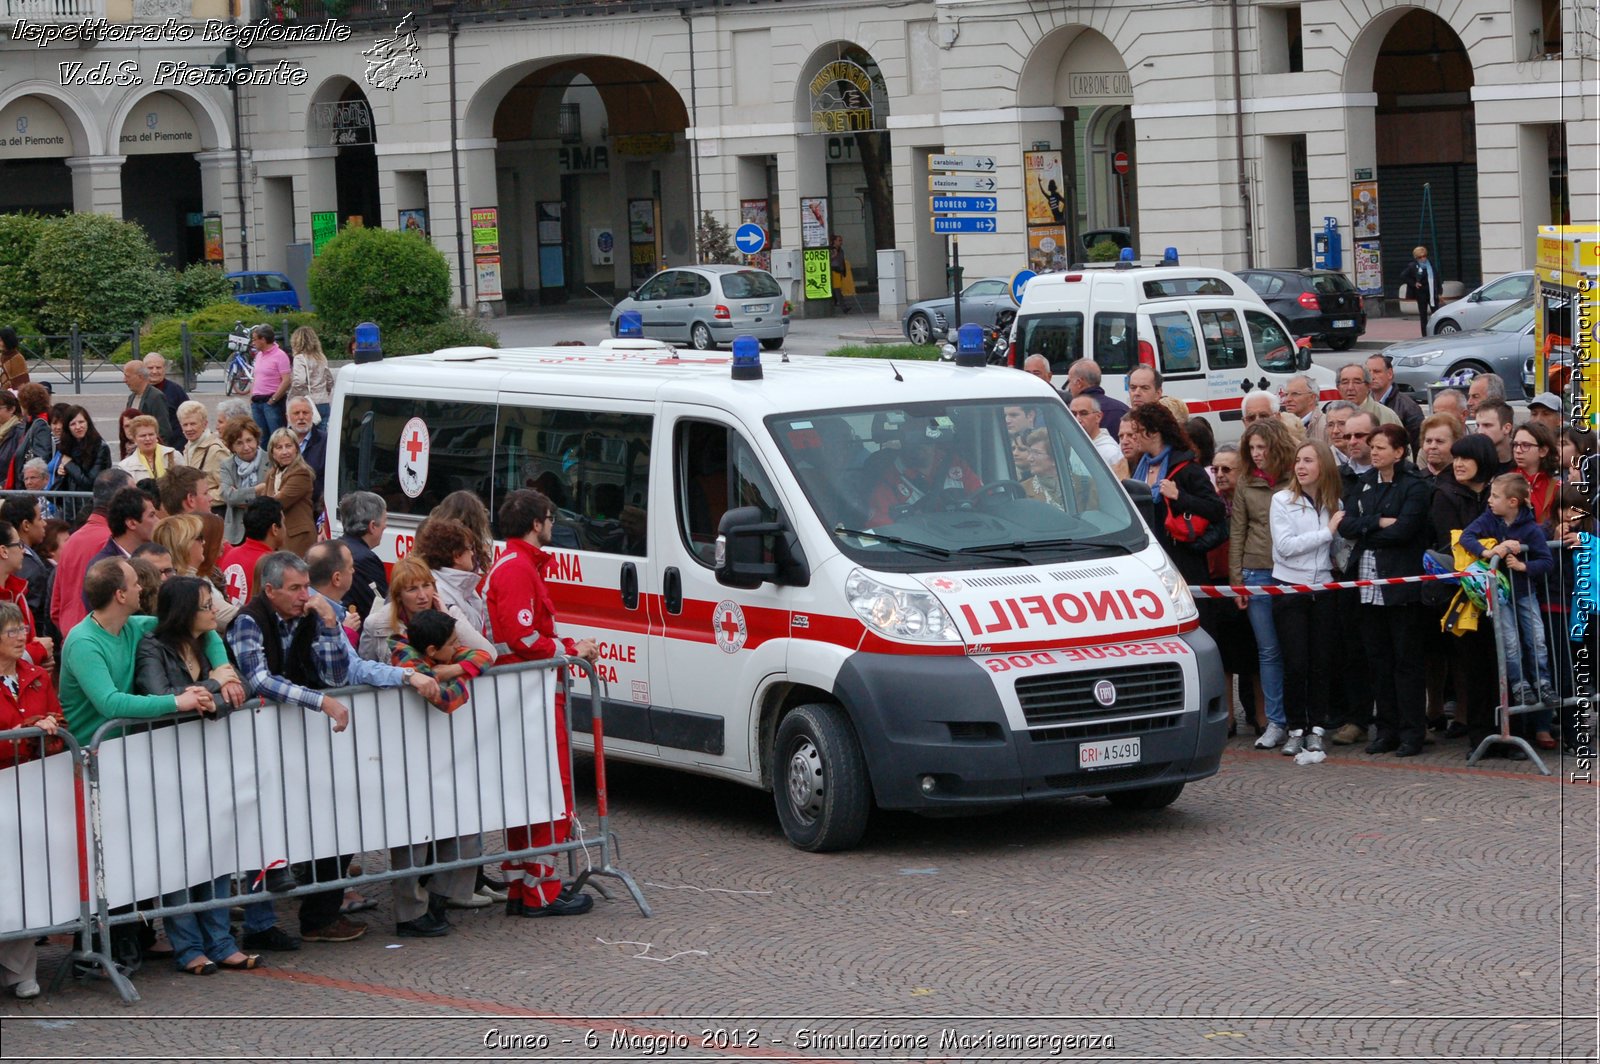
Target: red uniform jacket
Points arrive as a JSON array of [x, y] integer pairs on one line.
[[238, 565], [36, 700], [521, 614], [15, 591]]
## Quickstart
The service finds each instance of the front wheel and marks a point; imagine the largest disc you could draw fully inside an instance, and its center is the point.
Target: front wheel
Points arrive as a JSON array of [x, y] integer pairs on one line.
[[1446, 325], [1146, 798], [820, 779], [1341, 343], [700, 337], [238, 383], [919, 330]]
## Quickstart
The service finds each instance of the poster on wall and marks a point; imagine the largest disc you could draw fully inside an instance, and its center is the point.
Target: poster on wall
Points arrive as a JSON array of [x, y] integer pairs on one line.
[[1047, 248], [1368, 268], [642, 262], [819, 278], [841, 98], [414, 221], [756, 212], [549, 222], [324, 227], [485, 230], [1044, 187], [1364, 210], [487, 269], [642, 221], [813, 222], [213, 231]]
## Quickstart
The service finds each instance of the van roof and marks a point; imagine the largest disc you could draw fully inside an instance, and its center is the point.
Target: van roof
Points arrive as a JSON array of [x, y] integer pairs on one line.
[[651, 371], [1145, 283]]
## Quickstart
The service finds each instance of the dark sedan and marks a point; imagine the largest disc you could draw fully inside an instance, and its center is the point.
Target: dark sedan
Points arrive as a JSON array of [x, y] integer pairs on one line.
[[1321, 304]]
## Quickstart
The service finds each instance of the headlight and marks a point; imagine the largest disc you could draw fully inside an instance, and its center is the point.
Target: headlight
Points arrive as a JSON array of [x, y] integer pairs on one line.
[[902, 614], [1418, 360], [1183, 606]]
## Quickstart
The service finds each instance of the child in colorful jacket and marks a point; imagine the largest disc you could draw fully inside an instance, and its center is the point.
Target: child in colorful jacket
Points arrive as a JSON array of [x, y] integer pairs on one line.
[[430, 646]]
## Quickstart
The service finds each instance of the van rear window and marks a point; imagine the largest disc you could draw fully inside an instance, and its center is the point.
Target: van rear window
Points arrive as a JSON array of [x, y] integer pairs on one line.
[[1058, 337], [1174, 287]]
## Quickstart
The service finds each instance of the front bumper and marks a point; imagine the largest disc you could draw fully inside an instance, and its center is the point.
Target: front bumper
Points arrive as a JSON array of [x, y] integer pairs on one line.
[[954, 721]]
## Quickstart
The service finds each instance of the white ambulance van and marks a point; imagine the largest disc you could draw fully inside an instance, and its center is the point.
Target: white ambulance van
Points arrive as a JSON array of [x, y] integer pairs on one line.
[[1209, 334], [827, 581]]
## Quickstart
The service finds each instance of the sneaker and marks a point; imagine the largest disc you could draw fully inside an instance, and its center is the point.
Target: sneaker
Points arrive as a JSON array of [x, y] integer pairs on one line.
[[1314, 742], [1522, 694], [27, 989], [343, 929], [273, 938], [495, 895], [424, 926], [1348, 734], [1547, 694], [1273, 736], [1296, 743], [480, 900]]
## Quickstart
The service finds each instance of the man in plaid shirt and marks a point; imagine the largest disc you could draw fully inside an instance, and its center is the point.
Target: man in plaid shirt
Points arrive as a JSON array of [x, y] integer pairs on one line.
[[290, 646]]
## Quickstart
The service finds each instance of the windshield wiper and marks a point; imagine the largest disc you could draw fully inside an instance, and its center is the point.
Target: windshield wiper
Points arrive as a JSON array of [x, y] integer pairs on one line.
[[1069, 544], [898, 541]]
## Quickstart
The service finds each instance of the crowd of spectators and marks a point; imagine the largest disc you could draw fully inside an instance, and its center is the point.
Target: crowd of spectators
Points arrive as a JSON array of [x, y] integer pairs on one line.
[[202, 575]]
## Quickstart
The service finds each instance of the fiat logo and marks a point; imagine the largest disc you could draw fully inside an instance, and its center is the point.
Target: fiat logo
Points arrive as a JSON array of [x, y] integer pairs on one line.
[[1105, 692]]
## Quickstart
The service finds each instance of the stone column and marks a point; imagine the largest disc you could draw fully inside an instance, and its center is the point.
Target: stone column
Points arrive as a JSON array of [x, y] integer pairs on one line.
[[97, 184]]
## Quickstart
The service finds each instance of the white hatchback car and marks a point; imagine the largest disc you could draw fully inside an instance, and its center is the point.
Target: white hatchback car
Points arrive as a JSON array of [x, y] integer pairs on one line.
[[709, 305], [1482, 303]]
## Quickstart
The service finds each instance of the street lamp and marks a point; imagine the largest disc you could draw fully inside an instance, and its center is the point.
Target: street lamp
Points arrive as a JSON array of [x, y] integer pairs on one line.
[[230, 62]]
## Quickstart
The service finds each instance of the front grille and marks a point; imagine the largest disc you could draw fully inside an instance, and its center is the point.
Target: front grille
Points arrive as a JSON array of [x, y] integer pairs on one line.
[[1105, 777], [1100, 729], [1068, 698]]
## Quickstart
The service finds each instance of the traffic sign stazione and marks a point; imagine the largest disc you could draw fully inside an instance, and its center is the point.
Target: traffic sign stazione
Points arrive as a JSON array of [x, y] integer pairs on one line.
[[964, 225], [1119, 162], [750, 238], [984, 163], [964, 204], [961, 183]]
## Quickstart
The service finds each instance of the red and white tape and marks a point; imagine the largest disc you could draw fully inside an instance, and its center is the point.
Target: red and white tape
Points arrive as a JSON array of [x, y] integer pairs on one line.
[[1245, 591]]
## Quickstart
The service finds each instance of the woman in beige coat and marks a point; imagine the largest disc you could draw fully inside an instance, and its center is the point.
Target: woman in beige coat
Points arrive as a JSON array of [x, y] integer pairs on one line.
[[204, 451], [289, 480]]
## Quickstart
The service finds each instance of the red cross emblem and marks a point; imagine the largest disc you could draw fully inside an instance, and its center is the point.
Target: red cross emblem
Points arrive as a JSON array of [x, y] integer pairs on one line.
[[942, 584], [414, 445], [728, 626], [238, 588]]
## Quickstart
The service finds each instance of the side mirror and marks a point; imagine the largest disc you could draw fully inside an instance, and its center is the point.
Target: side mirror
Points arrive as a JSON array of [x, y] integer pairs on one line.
[[1302, 354], [1139, 494], [752, 551], [1476, 297]]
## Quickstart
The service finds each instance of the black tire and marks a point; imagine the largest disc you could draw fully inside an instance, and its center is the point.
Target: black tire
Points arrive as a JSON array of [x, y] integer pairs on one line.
[[1146, 798], [700, 337], [919, 329], [819, 779], [1446, 325], [1477, 369], [773, 344], [1341, 343]]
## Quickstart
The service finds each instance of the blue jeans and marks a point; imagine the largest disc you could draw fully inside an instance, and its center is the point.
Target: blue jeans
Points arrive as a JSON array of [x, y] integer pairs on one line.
[[1530, 648], [269, 417], [199, 934], [1271, 654]]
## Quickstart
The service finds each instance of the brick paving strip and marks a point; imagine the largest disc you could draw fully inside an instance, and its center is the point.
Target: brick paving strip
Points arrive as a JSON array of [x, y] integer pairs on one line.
[[1359, 909]]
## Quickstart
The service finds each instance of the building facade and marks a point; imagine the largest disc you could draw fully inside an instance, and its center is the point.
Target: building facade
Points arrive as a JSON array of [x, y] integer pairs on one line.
[[552, 148]]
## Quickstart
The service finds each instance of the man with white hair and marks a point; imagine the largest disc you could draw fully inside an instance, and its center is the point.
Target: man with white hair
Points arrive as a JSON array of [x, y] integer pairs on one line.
[[1300, 400], [1484, 387], [155, 364], [1039, 366], [1083, 378], [145, 398], [1088, 411], [1262, 405], [1450, 401], [1355, 386], [313, 440]]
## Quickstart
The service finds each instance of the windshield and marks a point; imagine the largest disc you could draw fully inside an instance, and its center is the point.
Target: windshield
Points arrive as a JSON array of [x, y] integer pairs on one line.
[[1513, 319], [957, 484]]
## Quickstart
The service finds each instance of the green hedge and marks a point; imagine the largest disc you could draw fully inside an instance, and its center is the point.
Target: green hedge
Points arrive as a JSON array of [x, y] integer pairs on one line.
[[166, 334], [19, 280], [398, 280], [100, 274]]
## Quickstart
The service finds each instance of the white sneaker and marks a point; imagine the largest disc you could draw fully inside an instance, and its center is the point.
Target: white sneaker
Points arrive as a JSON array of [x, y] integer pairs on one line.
[[1272, 737], [477, 901], [27, 989], [1295, 744], [492, 894], [1314, 742]]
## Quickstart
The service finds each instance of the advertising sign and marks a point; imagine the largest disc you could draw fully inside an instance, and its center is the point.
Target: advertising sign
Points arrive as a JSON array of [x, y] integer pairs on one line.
[[1364, 210], [485, 230], [1047, 248], [213, 224], [324, 227], [814, 222], [841, 98], [1044, 187], [414, 220], [819, 278], [487, 269], [1368, 268], [642, 221]]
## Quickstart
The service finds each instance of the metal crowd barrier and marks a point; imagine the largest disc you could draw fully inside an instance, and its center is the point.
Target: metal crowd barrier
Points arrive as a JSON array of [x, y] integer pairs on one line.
[[182, 801], [73, 507]]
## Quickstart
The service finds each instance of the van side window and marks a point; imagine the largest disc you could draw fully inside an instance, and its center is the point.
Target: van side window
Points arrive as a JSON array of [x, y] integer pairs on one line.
[[1175, 342], [459, 444], [594, 466], [1275, 352], [1176, 287], [1116, 341], [1224, 340], [1058, 337], [714, 471]]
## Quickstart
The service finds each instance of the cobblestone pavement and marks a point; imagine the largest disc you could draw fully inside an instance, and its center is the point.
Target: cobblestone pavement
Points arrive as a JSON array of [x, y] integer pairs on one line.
[[1366, 908]]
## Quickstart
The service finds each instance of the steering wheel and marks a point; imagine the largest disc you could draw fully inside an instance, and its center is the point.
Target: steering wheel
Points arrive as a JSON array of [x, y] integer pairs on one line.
[[1001, 489], [945, 499]]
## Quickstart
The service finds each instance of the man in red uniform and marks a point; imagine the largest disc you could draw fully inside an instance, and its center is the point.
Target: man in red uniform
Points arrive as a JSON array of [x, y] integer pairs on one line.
[[263, 534], [925, 466], [522, 616]]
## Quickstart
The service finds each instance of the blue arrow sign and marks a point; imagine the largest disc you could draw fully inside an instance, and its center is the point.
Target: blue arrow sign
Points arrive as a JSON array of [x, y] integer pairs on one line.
[[1019, 281], [965, 204], [750, 238], [965, 225]]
